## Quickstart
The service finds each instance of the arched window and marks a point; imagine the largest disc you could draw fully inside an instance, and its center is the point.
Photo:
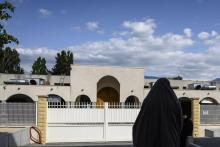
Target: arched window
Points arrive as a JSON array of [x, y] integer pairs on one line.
[[83, 99], [132, 102], [55, 98], [55, 101], [208, 101], [19, 98]]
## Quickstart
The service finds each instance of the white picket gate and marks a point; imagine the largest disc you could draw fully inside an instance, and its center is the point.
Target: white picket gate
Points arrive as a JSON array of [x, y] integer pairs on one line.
[[71, 122]]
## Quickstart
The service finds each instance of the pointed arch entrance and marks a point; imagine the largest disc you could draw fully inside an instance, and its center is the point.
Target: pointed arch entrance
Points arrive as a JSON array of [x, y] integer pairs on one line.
[[108, 90]]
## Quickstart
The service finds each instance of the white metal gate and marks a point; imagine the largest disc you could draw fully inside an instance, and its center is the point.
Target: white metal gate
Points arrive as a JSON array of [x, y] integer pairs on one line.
[[72, 122]]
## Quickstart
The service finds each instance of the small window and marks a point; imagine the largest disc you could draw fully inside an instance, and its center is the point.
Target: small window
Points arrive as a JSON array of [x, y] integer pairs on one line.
[[33, 82], [62, 84], [145, 86], [175, 87]]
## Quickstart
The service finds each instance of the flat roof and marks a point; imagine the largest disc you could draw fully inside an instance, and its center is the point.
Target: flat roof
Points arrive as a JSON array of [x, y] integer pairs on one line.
[[112, 66]]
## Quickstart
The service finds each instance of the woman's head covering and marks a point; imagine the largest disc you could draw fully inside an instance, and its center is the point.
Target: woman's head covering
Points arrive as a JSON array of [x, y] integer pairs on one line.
[[159, 122]]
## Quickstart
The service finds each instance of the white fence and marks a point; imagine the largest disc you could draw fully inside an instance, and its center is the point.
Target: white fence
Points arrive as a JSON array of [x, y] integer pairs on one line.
[[71, 122]]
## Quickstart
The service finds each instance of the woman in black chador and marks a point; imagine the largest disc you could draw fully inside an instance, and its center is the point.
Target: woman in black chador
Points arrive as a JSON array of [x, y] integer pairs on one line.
[[159, 122]]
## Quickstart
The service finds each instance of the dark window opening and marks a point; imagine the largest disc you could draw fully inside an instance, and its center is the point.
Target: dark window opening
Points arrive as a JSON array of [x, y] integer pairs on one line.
[[175, 87], [62, 84], [19, 98], [33, 82], [186, 106]]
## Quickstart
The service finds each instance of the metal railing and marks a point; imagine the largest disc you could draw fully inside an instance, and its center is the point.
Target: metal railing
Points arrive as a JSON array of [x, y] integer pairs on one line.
[[70, 104]]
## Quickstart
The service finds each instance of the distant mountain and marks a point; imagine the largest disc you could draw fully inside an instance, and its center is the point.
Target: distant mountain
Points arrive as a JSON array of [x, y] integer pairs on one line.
[[151, 77], [217, 79]]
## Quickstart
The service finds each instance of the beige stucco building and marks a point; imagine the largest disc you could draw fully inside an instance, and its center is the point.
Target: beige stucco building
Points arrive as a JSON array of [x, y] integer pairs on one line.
[[113, 84], [100, 84], [96, 84]]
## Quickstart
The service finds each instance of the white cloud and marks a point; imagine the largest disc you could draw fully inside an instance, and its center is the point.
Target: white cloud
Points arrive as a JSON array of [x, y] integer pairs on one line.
[[44, 12], [29, 55], [212, 38], [142, 27], [203, 35], [137, 45], [92, 25], [36, 52], [188, 32], [214, 33]]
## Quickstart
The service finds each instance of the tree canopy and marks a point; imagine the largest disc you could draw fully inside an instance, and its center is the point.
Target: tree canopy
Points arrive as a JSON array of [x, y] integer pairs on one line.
[[6, 9], [39, 66], [9, 58], [64, 59], [10, 61]]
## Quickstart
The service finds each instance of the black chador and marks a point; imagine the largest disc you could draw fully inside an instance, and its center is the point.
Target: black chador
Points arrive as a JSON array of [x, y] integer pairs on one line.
[[159, 122]]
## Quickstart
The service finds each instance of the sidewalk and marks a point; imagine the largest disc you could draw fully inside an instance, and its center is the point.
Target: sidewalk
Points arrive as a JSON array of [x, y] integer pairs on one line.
[[84, 144]]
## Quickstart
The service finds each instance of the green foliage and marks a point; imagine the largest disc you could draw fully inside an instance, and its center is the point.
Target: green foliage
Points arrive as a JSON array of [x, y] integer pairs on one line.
[[10, 61], [9, 58], [5, 9], [39, 67], [63, 63]]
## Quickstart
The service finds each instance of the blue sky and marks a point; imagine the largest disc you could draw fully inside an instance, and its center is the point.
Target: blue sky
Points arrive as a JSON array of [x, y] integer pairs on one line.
[[167, 38]]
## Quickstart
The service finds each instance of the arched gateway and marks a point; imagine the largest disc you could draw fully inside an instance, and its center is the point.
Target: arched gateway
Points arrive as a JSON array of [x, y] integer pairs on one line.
[[108, 90]]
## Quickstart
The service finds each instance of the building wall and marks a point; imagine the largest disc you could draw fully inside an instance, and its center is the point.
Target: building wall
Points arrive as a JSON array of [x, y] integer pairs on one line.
[[178, 83], [84, 80], [33, 91], [193, 93]]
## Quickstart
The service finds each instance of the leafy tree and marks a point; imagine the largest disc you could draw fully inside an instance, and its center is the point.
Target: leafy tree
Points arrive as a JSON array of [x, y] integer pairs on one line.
[[10, 61], [9, 58], [39, 67], [5, 9], [64, 59]]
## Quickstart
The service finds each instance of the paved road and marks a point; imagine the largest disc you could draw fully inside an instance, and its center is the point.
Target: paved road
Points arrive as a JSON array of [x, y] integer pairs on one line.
[[91, 144]]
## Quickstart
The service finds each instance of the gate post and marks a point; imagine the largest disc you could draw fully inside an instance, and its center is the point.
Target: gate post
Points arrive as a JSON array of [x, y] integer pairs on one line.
[[42, 117], [105, 121], [195, 116]]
